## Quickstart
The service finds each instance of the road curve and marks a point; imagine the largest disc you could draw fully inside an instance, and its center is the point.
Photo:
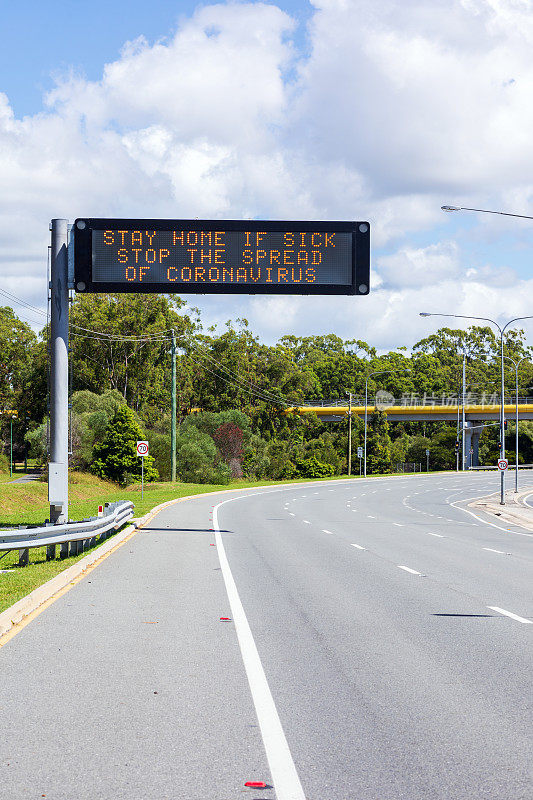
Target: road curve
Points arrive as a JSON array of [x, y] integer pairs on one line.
[[335, 641]]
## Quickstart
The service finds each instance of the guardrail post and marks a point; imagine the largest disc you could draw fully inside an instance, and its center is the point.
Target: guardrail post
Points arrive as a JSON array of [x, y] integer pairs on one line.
[[24, 557], [63, 551], [50, 552]]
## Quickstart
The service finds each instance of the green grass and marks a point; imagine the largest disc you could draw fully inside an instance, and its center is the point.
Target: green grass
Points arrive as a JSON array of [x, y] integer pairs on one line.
[[27, 503]]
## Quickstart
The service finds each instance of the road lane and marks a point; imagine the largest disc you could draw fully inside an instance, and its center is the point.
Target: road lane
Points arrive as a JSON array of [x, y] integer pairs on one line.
[[388, 683]]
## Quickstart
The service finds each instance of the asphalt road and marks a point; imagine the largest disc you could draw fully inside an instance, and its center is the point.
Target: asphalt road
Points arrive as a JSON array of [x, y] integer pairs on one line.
[[378, 647]]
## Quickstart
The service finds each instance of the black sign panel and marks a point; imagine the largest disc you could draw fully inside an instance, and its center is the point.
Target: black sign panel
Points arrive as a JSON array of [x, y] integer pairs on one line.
[[225, 256]]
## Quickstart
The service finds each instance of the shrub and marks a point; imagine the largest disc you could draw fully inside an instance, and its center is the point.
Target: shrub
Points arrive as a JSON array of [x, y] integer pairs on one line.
[[115, 457]]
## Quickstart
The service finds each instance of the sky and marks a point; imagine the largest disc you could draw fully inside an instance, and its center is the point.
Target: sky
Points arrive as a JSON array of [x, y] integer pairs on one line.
[[373, 110]]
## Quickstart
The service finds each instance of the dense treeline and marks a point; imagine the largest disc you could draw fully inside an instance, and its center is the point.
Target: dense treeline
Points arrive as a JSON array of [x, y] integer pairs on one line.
[[234, 393]]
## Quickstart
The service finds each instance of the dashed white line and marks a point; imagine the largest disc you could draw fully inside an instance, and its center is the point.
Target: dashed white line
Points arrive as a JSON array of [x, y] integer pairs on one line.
[[492, 550], [291, 514], [438, 535], [370, 516], [325, 531], [306, 521], [510, 614], [398, 524], [408, 569], [358, 546]]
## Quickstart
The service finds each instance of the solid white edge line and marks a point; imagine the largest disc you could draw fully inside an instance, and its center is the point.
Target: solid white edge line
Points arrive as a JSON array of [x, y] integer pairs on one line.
[[282, 769], [485, 521], [510, 614], [408, 569], [358, 546]]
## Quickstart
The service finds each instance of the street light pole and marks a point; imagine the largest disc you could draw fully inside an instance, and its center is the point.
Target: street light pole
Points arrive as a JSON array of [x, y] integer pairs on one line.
[[463, 454], [502, 406], [516, 365], [350, 434]]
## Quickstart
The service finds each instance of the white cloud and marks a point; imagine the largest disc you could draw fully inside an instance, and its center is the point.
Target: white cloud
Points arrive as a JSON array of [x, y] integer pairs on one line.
[[396, 109]]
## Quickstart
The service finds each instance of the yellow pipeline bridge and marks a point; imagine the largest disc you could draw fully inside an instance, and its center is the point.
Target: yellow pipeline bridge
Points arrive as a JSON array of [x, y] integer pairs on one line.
[[479, 412]]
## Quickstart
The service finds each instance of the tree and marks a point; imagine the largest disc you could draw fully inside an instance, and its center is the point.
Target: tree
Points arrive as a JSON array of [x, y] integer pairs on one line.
[[196, 458], [379, 444], [115, 457], [131, 349], [228, 438]]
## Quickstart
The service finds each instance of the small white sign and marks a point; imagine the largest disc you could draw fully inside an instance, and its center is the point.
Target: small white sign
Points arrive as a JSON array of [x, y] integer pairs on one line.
[[142, 448], [359, 452], [427, 452], [502, 464]]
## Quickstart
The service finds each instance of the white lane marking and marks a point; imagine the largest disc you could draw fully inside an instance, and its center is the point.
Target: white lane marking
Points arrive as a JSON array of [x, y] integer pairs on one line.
[[438, 535], [325, 531], [398, 524], [370, 516], [491, 550], [303, 495], [510, 614], [358, 546], [292, 515], [284, 776], [306, 521], [408, 569]]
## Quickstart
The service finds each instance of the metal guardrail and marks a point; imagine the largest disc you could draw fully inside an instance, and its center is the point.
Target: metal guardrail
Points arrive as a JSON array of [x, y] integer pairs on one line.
[[74, 537]]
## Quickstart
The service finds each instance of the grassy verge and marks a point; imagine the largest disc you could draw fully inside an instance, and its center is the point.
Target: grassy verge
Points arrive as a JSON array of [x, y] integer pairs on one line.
[[26, 503]]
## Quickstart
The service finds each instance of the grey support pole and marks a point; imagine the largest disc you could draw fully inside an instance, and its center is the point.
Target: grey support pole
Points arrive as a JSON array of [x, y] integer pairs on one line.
[[350, 436], [463, 407], [58, 467], [173, 412], [516, 433], [502, 425]]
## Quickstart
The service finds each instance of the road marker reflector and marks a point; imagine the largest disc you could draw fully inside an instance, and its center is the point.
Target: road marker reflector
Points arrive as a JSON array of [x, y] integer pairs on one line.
[[225, 619], [256, 784]]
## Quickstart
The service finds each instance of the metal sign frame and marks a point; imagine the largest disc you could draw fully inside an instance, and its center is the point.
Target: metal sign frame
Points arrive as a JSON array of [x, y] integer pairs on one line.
[[83, 256]]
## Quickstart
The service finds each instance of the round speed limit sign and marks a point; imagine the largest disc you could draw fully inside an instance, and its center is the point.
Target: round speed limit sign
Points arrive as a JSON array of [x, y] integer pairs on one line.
[[142, 448], [502, 464]]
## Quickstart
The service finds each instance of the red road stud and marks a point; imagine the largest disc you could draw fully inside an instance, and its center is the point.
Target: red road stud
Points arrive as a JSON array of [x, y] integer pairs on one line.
[[211, 545], [256, 784], [225, 619]]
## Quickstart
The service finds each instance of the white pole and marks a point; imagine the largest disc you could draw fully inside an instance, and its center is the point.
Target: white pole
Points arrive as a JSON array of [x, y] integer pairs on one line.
[[142, 477]]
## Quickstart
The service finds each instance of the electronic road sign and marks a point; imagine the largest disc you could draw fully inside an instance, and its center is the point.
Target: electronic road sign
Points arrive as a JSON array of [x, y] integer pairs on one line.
[[224, 256]]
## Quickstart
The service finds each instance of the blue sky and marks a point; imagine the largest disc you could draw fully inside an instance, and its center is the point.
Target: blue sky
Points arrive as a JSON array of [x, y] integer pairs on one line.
[[42, 39], [336, 109]]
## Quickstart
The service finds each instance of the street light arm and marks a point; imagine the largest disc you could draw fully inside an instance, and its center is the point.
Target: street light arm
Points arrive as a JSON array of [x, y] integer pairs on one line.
[[463, 316], [484, 211], [516, 319]]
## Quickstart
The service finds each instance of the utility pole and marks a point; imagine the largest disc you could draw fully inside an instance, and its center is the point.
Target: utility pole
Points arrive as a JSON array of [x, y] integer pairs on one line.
[[350, 434], [58, 467], [173, 412]]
